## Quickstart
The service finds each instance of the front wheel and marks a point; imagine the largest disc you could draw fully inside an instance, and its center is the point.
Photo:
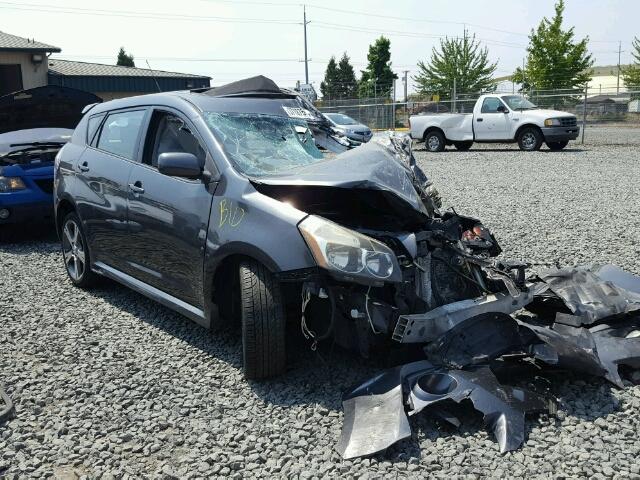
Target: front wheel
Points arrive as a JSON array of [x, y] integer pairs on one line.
[[75, 252], [263, 322], [462, 146], [530, 139], [434, 141], [557, 145]]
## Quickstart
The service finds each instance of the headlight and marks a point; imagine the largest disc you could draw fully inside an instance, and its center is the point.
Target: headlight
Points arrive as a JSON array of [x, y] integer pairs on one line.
[[552, 122], [8, 184], [350, 253]]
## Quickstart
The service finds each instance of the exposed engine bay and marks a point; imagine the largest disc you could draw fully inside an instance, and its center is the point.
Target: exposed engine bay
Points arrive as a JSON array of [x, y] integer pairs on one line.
[[436, 280]]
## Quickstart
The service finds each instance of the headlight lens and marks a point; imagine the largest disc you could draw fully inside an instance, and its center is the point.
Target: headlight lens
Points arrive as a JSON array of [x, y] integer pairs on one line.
[[9, 184], [552, 122], [342, 250]]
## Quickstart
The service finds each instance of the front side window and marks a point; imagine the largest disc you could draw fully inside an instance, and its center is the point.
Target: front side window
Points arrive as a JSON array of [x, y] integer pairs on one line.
[[119, 133], [491, 104], [172, 135], [261, 145]]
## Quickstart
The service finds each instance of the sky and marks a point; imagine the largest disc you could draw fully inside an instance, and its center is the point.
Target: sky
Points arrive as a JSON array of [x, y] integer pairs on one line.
[[233, 39]]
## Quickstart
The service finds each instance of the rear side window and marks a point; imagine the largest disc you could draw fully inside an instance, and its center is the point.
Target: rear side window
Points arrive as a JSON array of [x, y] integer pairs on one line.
[[119, 134], [92, 127], [490, 105]]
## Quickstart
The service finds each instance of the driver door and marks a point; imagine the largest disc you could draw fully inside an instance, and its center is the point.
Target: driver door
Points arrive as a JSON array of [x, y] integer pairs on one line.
[[169, 216], [492, 123]]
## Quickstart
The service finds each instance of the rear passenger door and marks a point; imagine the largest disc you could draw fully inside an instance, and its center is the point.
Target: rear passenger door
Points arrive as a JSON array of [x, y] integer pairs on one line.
[[102, 172], [169, 216]]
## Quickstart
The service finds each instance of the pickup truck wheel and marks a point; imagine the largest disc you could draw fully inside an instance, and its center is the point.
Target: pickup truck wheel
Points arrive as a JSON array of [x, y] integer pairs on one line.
[[557, 145], [462, 146], [75, 252], [434, 141], [530, 139], [263, 322]]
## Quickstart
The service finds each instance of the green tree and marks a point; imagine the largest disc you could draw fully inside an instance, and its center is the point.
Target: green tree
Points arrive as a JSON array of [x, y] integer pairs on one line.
[[347, 81], [124, 59], [329, 86], [554, 59], [378, 78], [461, 59], [631, 74]]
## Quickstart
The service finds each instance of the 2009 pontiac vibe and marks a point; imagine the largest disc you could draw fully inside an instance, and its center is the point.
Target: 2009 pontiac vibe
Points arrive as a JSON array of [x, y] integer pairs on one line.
[[219, 205]]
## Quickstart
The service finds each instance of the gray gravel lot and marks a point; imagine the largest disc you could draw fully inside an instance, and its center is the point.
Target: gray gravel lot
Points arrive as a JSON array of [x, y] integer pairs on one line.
[[108, 384]]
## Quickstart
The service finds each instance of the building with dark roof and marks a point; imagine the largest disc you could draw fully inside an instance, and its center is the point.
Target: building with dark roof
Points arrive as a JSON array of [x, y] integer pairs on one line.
[[25, 64], [113, 81]]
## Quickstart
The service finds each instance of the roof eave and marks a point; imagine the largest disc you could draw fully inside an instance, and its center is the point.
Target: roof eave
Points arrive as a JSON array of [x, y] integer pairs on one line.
[[31, 50]]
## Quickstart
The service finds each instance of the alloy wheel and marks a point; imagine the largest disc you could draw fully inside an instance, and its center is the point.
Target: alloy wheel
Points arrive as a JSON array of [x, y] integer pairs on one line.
[[529, 140], [73, 250], [433, 143]]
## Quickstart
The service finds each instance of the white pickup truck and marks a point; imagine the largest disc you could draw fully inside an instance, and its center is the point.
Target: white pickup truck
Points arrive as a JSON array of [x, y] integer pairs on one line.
[[496, 119]]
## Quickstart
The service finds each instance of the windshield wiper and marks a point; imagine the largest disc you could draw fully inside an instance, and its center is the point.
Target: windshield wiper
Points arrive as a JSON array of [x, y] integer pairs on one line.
[[37, 144], [34, 147]]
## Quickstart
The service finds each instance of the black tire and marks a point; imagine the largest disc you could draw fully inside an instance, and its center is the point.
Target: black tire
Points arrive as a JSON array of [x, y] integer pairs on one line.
[[434, 141], [530, 139], [462, 146], [557, 145], [263, 322], [75, 252]]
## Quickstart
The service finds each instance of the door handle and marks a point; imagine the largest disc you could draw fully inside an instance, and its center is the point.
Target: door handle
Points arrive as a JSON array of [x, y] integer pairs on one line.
[[136, 187], [84, 167], [478, 119]]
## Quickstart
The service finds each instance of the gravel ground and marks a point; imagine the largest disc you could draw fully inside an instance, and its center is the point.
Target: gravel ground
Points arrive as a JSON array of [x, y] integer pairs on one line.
[[108, 384]]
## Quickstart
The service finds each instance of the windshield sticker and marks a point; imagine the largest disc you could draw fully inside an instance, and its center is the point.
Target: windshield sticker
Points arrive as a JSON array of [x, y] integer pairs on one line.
[[297, 112]]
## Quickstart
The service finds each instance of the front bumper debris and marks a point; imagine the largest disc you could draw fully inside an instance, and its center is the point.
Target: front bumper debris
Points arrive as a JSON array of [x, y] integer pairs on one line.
[[588, 321], [560, 134]]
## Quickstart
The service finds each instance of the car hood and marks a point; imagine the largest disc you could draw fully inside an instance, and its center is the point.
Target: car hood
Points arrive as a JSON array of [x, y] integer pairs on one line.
[[32, 135], [44, 169], [358, 127], [367, 187], [543, 114]]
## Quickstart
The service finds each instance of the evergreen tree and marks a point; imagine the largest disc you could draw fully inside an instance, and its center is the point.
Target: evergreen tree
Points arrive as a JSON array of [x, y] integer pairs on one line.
[[631, 74], [347, 82], [377, 79], [125, 60], [329, 86], [554, 59], [461, 59]]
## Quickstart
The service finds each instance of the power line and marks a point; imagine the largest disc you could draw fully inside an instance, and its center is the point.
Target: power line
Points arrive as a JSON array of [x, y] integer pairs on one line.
[[38, 7]]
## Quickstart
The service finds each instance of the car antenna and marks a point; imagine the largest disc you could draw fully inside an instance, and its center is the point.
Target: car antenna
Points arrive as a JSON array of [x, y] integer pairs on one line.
[[153, 75]]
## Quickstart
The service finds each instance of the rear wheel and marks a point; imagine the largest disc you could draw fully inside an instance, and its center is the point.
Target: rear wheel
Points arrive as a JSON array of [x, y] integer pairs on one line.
[[462, 146], [557, 145], [263, 322], [530, 139], [75, 252], [434, 141]]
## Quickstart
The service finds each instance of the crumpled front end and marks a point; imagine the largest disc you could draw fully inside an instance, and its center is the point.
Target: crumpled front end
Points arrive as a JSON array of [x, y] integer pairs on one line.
[[394, 270]]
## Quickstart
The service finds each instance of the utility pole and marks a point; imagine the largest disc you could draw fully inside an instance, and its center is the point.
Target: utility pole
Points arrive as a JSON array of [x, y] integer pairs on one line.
[[306, 61], [619, 52], [393, 107], [406, 84], [453, 110]]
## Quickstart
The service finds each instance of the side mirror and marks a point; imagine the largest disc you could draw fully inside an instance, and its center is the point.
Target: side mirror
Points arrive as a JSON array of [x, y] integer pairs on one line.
[[179, 164], [502, 108]]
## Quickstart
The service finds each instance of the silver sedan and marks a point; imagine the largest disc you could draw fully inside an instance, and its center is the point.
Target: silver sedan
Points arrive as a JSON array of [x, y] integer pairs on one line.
[[349, 127]]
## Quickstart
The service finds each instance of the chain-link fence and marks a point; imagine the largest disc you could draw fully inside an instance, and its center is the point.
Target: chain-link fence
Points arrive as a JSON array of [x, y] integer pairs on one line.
[[606, 115]]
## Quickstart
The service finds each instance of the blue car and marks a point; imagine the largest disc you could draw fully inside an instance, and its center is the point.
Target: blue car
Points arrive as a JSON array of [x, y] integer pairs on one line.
[[34, 125]]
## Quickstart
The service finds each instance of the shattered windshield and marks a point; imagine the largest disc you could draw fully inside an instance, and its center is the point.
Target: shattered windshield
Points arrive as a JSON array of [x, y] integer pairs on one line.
[[260, 144], [516, 102]]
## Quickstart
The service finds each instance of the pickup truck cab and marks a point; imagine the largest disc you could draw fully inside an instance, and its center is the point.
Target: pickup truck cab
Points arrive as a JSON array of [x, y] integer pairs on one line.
[[496, 118]]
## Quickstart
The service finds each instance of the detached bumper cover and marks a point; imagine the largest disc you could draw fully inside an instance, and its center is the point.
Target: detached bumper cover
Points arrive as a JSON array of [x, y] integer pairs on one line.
[[560, 134], [601, 334]]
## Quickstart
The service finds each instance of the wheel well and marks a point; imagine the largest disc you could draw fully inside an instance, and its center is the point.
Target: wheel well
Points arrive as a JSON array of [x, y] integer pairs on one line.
[[431, 129], [527, 125], [64, 208]]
